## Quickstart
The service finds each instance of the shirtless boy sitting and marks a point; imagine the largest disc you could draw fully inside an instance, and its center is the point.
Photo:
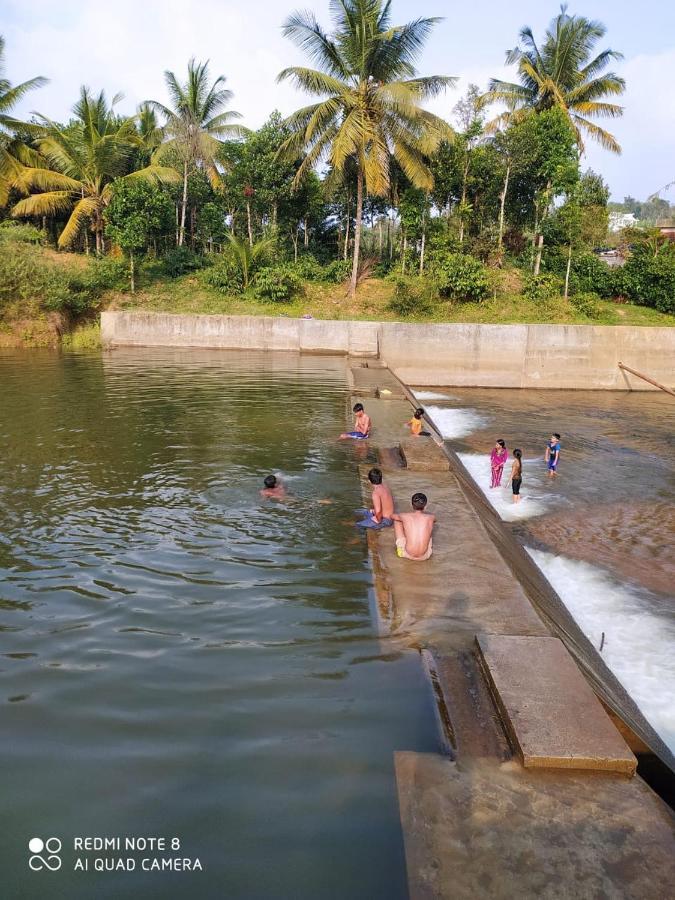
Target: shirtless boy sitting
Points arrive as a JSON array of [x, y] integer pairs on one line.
[[381, 515], [361, 425], [273, 488], [413, 531]]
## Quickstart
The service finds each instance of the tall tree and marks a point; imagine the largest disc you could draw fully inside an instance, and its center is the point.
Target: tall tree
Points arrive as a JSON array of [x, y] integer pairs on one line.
[[12, 152], [195, 124], [85, 156], [371, 96], [564, 72]]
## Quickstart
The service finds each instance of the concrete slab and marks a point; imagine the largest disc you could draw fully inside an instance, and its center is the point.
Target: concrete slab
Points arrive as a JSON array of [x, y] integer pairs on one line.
[[375, 382], [552, 715], [500, 831], [422, 454], [465, 588]]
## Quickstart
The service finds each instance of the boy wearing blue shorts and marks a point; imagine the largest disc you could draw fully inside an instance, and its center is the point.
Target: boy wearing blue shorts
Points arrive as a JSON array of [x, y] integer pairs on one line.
[[553, 454], [361, 425]]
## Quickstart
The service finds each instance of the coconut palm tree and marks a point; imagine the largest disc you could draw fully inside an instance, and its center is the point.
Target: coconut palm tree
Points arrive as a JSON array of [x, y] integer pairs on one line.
[[12, 151], [150, 134], [84, 158], [195, 124], [564, 72], [370, 99]]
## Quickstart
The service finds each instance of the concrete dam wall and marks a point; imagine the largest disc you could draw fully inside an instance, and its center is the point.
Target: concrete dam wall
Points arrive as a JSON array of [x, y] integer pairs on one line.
[[510, 356]]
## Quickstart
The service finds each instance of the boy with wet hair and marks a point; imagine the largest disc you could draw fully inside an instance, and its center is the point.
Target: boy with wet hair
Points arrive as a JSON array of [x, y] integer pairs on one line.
[[413, 530], [273, 488], [415, 424], [381, 515], [553, 454], [361, 425]]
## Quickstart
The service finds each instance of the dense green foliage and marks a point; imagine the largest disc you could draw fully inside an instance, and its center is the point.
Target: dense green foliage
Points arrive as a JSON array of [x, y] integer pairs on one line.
[[648, 278], [362, 184], [460, 277]]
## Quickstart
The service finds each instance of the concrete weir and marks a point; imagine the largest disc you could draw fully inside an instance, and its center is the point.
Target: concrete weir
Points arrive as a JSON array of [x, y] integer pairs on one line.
[[533, 792], [510, 356]]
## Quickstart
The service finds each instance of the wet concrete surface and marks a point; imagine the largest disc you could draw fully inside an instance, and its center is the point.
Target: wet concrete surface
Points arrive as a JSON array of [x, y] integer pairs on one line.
[[554, 718], [474, 824], [485, 829]]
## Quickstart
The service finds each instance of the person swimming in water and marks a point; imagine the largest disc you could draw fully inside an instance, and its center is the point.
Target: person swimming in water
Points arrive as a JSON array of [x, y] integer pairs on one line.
[[273, 489], [415, 424], [381, 515], [361, 425], [413, 530]]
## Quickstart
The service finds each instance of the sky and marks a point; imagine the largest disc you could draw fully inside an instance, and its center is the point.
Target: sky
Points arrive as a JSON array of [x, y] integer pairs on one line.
[[125, 47]]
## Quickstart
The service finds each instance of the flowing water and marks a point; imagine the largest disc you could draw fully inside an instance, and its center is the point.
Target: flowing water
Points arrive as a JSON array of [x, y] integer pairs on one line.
[[602, 531], [180, 658]]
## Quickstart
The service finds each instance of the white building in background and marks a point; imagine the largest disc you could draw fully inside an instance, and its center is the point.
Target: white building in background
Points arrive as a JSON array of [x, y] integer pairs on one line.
[[618, 221]]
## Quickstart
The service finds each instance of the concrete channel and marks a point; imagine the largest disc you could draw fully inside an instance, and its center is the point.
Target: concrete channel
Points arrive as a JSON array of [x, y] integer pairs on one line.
[[534, 791]]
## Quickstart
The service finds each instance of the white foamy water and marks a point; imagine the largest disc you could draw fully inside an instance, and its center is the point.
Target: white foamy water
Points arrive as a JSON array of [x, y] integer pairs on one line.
[[638, 643], [537, 498], [455, 423], [433, 395]]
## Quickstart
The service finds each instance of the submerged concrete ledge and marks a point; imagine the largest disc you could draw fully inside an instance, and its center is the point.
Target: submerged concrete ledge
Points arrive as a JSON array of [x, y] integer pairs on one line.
[[509, 356]]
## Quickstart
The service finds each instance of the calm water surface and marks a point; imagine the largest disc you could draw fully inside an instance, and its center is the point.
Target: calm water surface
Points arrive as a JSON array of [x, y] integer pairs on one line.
[[180, 658]]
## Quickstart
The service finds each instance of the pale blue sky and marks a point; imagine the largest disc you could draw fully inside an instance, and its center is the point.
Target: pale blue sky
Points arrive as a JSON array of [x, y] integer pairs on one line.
[[126, 45]]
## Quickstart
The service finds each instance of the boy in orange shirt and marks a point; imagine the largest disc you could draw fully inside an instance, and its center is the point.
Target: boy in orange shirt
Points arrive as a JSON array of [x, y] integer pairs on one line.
[[415, 424]]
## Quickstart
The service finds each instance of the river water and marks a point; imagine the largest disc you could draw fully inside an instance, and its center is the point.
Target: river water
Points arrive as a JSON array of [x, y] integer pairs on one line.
[[179, 658], [603, 530]]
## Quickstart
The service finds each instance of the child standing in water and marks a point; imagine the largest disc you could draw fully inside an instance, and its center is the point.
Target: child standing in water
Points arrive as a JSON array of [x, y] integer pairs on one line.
[[517, 474], [361, 425], [415, 424], [553, 454], [498, 459]]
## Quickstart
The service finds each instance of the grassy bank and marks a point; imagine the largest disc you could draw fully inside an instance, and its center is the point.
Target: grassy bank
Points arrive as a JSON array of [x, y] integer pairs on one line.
[[189, 294], [51, 299]]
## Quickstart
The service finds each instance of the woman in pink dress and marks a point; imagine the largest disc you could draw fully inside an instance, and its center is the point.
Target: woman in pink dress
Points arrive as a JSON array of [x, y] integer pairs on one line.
[[498, 459]]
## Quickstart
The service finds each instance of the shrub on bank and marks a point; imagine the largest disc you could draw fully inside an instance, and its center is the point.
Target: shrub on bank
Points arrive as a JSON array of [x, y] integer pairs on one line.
[[181, 261], [648, 277], [338, 271], [21, 232], [224, 275], [29, 282], [542, 288], [276, 283], [586, 303], [308, 268], [460, 277], [413, 295]]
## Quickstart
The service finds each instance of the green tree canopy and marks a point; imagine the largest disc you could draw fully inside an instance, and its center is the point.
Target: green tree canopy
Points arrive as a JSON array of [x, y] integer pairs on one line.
[[370, 99], [565, 72]]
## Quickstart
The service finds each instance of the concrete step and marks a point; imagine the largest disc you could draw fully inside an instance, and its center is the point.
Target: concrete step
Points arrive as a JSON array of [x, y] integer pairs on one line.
[[496, 830], [552, 716], [468, 715], [422, 454], [375, 382]]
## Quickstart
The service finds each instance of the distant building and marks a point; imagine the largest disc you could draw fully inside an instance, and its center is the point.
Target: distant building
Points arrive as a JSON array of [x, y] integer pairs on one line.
[[667, 228], [618, 221]]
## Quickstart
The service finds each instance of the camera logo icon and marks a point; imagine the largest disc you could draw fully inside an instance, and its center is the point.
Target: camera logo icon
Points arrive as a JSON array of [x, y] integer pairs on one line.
[[44, 854]]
